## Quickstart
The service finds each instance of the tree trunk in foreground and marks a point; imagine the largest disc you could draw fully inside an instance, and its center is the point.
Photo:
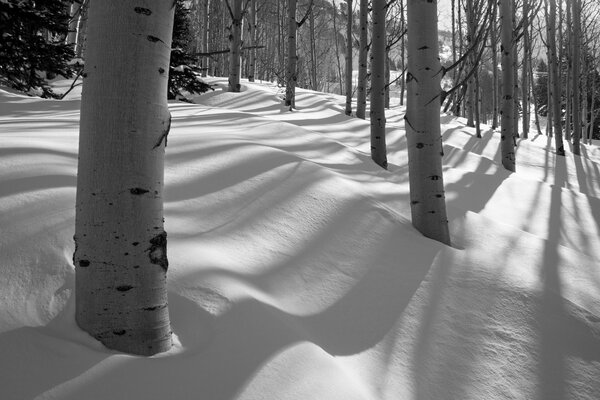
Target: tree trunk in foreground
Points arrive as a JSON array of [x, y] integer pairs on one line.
[[377, 115], [235, 46], [120, 243], [422, 121], [507, 144], [361, 89]]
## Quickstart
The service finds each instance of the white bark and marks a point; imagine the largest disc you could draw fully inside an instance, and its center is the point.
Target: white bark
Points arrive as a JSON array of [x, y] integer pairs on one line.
[[235, 46], [253, 39], [555, 80], [361, 90], [576, 4], [292, 59], [507, 118], [422, 121], [349, 59], [120, 255], [377, 114]]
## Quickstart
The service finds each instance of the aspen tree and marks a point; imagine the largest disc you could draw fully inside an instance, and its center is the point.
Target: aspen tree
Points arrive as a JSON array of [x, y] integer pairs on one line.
[[363, 50], [253, 41], [377, 115], [292, 56], [292, 59], [554, 79], [349, 59], [422, 121], [235, 44], [120, 243], [576, 4], [507, 119]]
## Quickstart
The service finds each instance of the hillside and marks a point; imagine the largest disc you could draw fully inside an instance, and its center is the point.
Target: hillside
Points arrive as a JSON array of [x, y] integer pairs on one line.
[[294, 270]]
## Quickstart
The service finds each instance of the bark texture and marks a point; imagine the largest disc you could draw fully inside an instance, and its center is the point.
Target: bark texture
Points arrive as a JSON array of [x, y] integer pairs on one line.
[[292, 59], [235, 46], [507, 120], [377, 115], [348, 76], [361, 89], [422, 121], [120, 255]]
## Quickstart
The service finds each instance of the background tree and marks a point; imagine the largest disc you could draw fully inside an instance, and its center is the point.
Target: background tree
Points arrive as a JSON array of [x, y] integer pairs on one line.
[[422, 121], [377, 115], [349, 40], [507, 119], [33, 44], [363, 52], [120, 243], [182, 70]]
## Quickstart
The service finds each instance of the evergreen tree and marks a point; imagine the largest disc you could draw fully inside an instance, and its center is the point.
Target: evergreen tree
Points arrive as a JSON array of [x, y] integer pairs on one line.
[[182, 72], [32, 44]]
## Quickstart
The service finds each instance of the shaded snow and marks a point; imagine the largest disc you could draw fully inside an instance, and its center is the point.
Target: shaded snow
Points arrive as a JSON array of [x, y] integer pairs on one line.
[[295, 272]]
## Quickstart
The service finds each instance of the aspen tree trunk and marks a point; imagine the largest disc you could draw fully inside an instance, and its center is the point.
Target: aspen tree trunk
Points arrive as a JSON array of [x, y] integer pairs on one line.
[[471, 82], [403, 51], [337, 48], [507, 119], [235, 46], [81, 28], [525, 70], [515, 71], [576, 4], [377, 115], [386, 99], [422, 121], [554, 77], [205, 36], [253, 41], [120, 243], [363, 50], [73, 22], [313, 52], [494, 45], [566, 44], [349, 59], [292, 59]]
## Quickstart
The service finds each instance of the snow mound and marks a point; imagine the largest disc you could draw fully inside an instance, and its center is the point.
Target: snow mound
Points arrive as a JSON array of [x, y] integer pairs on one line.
[[295, 272]]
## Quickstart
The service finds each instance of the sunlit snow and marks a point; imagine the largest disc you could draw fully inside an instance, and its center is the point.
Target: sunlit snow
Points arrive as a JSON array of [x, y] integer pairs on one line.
[[295, 272]]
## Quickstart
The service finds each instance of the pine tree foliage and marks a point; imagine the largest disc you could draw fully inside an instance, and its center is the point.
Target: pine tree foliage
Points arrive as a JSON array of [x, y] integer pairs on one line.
[[32, 44], [183, 75]]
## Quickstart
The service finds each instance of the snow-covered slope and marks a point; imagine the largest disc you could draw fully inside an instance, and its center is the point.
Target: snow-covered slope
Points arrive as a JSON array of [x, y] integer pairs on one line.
[[295, 272]]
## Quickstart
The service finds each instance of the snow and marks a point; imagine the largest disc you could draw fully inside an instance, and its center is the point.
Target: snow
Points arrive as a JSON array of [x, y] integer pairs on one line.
[[295, 272]]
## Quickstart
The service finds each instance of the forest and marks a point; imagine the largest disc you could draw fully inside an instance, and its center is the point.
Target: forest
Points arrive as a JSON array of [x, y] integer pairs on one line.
[[324, 199]]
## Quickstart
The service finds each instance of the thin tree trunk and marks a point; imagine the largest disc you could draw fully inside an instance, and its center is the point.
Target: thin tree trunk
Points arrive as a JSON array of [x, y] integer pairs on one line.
[[403, 52], [292, 59], [74, 18], [361, 98], [349, 59], [422, 121], [337, 48], [553, 68], [576, 4], [507, 118], [120, 243], [377, 115], [253, 41], [515, 71], [495, 83], [235, 46], [313, 52]]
